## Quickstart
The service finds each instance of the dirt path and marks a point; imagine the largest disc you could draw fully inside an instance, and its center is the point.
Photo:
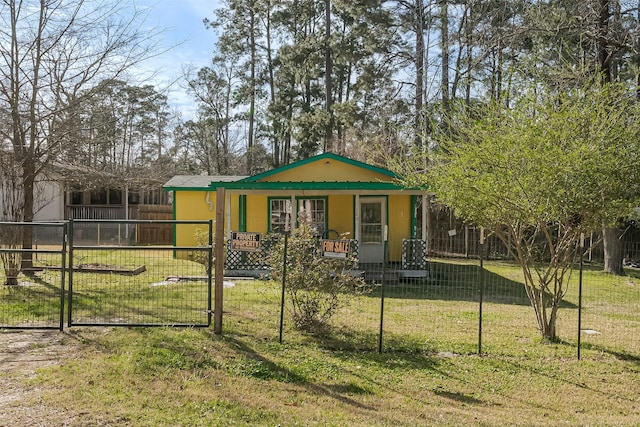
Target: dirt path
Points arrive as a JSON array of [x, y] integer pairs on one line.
[[21, 355]]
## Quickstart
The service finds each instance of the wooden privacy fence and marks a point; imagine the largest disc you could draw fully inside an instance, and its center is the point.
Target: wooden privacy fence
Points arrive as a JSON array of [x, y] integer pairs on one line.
[[155, 234]]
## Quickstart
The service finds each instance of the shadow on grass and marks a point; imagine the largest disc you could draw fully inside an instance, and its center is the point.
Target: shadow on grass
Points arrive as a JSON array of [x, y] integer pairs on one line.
[[34, 302], [458, 397], [551, 374], [399, 352], [620, 355], [459, 282], [274, 371], [144, 306]]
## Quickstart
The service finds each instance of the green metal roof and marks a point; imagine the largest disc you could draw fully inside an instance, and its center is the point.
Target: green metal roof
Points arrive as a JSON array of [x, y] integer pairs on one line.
[[330, 186]]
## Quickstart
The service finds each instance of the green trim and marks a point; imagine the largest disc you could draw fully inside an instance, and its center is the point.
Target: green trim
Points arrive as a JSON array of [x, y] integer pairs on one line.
[[175, 226], [328, 186], [242, 214], [175, 217], [325, 156]]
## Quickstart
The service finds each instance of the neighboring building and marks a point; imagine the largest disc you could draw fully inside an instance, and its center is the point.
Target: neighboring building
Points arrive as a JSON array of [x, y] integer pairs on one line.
[[344, 199], [81, 194]]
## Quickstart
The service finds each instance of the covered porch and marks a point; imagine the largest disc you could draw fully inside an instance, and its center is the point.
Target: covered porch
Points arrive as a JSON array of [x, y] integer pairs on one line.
[[385, 225], [384, 221]]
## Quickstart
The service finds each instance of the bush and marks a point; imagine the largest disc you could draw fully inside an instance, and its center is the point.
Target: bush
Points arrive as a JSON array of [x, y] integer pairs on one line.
[[316, 286], [201, 237]]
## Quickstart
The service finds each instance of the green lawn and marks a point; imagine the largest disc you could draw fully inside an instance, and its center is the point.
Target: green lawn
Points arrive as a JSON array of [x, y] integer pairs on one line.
[[429, 372], [145, 377]]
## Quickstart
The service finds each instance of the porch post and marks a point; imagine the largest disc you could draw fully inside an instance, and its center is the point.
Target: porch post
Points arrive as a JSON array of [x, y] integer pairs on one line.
[[227, 202], [126, 201], [126, 215], [424, 217], [294, 213], [356, 210]]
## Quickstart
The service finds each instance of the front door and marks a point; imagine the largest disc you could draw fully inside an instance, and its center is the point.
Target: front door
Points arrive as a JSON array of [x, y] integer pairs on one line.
[[373, 224]]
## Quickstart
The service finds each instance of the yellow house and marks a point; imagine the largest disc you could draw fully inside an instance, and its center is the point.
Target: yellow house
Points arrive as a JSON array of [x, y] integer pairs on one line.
[[344, 198]]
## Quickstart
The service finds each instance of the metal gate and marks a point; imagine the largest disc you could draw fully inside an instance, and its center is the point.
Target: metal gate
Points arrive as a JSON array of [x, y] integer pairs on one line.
[[32, 277], [112, 283]]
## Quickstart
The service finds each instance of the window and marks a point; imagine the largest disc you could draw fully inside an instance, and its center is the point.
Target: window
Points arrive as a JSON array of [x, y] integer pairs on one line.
[[76, 197], [99, 197], [134, 197], [371, 225], [315, 209], [115, 197], [280, 214]]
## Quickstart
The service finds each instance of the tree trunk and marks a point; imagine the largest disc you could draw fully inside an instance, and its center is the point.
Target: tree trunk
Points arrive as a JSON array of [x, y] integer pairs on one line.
[[419, 62], [27, 231], [328, 82], [252, 84], [612, 251], [444, 47], [610, 236]]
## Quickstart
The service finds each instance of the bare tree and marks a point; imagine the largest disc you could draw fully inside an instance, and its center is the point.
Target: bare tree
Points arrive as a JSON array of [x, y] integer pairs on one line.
[[51, 53], [10, 211]]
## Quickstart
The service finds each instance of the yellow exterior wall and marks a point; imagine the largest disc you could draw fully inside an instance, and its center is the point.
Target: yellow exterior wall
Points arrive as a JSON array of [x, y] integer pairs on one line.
[[257, 211], [399, 220], [193, 205], [319, 171], [340, 214]]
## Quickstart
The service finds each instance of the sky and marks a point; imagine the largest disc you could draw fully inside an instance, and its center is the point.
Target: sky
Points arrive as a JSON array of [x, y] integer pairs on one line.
[[190, 44]]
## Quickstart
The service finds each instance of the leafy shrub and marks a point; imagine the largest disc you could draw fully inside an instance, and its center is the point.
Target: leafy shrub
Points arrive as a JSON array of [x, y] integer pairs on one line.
[[201, 236], [316, 286]]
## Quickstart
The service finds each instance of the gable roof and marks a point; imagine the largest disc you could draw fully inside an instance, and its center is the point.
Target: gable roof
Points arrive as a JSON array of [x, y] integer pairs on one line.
[[321, 157], [197, 182], [368, 178]]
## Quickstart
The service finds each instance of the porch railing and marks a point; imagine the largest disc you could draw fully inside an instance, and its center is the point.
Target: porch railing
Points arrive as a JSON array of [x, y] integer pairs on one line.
[[106, 212]]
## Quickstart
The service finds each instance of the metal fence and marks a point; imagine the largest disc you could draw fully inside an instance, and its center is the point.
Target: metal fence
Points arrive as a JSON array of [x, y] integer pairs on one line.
[[93, 276], [112, 283], [34, 300], [465, 302]]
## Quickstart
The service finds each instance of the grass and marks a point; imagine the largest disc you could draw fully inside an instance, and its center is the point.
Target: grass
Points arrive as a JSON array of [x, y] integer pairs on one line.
[[429, 372], [140, 376]]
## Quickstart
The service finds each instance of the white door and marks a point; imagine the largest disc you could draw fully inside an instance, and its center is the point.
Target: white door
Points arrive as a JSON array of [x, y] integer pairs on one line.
[[373, 223]]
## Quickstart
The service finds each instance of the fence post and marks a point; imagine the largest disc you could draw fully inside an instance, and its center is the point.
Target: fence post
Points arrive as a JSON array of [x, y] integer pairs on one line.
[[209, 271], [384, 261], [284, 281], [580, 294], [219, 264], [63, 267], [481, 291], [70, 268]]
